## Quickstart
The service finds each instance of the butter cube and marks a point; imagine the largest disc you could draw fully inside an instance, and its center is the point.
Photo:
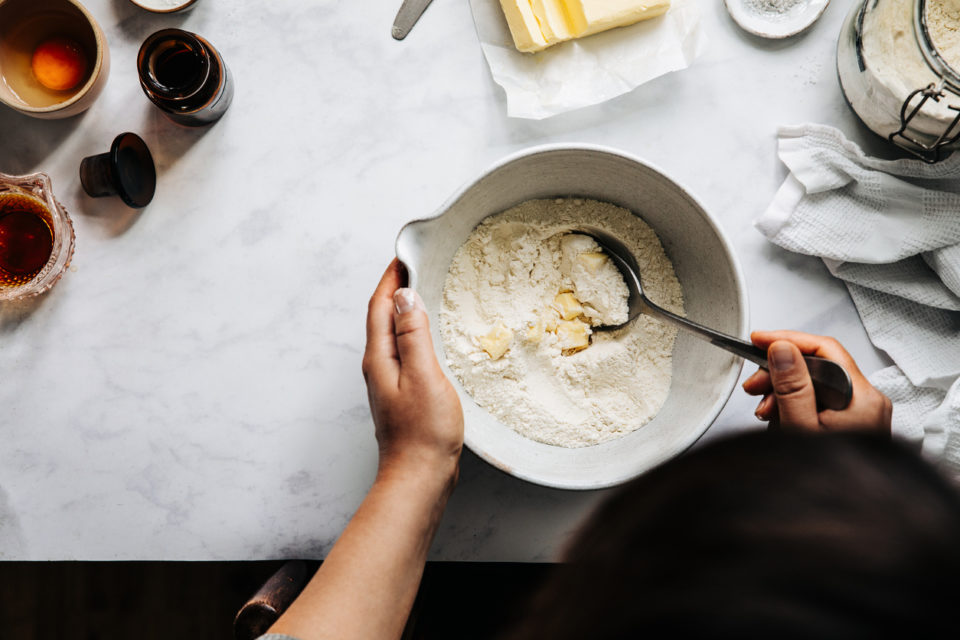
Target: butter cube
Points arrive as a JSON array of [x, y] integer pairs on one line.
[[554, 23], [592, 16], [567, 306], [573, 335], [496, 342], [523, 25], [592, 261], [535, 331]]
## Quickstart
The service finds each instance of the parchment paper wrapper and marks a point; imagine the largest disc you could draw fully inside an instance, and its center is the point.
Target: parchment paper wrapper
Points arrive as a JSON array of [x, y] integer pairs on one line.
[[580, 73]]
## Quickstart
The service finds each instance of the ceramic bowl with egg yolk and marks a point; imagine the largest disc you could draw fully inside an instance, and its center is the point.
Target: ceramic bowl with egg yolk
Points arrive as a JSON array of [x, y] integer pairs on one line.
[[713, 289], [27, 26]]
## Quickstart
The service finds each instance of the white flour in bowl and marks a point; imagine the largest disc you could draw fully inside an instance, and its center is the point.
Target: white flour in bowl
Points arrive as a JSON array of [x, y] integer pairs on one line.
[[518, 302]]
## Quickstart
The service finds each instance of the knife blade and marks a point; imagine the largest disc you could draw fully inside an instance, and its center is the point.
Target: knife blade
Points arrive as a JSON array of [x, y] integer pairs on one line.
[[410, 12]]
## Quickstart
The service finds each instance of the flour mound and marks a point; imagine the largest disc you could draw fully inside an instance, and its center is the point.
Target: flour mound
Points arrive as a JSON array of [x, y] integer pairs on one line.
[[502, 279]]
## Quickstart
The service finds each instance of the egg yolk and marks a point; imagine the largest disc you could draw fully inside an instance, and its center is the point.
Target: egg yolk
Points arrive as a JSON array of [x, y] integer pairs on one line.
[[59, 64]]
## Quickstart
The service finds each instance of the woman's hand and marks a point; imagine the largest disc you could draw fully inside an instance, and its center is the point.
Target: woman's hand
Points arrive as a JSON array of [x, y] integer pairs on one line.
[[788, 398], [366, 586], [418, 418]]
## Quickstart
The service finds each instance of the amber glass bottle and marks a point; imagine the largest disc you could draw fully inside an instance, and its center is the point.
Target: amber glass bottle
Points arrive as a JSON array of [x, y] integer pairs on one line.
[[185, 76]]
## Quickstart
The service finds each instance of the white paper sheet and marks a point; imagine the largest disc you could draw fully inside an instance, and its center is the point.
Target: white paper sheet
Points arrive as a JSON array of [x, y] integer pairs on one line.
[[580, 73]]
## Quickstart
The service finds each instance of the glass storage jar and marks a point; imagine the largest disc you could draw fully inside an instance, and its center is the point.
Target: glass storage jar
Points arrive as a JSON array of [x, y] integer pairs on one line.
[[894, 61]]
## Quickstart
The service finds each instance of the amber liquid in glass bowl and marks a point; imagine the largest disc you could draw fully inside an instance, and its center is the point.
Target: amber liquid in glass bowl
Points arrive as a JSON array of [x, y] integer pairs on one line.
[[26, 238], [36, 236]]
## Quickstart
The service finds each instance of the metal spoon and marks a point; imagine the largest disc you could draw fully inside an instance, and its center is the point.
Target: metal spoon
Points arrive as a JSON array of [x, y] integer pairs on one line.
[[831, 382]]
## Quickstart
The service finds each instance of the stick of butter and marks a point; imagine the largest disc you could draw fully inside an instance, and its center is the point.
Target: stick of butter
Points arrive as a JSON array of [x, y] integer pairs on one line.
[[553, 21], [537, 24], [593, 16], [523, 25]]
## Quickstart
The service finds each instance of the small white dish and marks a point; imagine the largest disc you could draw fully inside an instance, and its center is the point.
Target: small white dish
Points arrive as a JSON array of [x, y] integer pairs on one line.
[[164, 6], [775, 19]]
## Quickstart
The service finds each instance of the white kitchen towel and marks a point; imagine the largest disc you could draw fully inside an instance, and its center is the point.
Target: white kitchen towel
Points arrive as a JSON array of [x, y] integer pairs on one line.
[[890, 229]]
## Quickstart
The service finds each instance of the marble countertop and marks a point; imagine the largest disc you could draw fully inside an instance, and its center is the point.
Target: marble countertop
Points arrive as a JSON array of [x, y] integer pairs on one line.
[[191, 389]]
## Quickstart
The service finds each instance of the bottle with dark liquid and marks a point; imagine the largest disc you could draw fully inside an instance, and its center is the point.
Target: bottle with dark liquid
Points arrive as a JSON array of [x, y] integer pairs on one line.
[[185, 76]]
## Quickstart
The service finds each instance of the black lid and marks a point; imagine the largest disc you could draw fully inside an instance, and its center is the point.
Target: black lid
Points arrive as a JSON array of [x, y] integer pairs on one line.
[[135, 175], [127, 170]]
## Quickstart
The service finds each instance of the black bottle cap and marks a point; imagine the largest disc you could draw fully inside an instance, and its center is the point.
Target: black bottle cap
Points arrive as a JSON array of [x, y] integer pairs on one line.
[[127, 170]]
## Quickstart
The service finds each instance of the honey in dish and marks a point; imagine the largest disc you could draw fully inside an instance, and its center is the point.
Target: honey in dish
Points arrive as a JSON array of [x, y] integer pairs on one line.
[[66, 58], [26, 238]]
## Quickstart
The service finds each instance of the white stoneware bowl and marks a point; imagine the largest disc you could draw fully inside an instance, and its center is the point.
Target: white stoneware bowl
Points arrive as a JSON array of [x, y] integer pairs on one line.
[[714, 293]]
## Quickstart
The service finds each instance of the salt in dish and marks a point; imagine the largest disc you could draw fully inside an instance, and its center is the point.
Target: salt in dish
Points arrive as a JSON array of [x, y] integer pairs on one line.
[[775, 18]]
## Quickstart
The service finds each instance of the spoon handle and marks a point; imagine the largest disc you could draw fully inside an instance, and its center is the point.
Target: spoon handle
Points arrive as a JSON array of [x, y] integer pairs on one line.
[[831, 382]]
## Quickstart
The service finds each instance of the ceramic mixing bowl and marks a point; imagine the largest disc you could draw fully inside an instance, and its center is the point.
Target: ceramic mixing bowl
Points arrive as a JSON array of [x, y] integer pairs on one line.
[[714, 294]]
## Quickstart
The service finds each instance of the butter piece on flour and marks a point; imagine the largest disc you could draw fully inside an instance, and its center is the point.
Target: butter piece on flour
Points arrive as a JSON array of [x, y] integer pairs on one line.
[[567, 306], [592, 261], [573, 335], [496, 342]]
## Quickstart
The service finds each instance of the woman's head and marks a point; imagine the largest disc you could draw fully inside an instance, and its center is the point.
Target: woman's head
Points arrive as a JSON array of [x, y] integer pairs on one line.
[[765, 534]]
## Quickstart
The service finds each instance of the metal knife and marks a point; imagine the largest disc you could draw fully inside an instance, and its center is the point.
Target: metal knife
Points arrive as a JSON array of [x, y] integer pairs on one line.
[[410, 12]]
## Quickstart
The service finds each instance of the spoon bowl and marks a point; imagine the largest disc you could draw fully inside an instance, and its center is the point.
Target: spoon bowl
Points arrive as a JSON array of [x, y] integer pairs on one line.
[[831, 382]]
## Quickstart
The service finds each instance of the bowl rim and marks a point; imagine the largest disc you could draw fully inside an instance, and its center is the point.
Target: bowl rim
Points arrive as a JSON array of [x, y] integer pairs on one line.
[[732, 376], [98, 64], [180, 7]]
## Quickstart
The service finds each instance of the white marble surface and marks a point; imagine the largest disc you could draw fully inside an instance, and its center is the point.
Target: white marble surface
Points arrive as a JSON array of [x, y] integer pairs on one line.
[[191, 389]]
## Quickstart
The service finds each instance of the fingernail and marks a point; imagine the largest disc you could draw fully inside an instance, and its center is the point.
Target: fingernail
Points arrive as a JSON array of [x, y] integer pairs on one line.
[[763, 407], [406, 300], [781, 356]]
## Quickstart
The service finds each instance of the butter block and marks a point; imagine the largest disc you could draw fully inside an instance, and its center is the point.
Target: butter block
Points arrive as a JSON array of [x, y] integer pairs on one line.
[[567, 306], [524, 28], [553, 20], [593, 16], [573, 335], [592, 261], [538, 24], [496, 342]]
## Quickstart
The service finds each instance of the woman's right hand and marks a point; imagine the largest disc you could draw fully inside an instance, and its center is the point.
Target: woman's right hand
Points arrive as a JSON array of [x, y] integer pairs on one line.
[[788, 397], [416, 411]]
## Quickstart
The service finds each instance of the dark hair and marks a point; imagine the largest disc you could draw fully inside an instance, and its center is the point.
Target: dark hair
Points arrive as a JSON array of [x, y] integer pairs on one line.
[[764, 535]]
